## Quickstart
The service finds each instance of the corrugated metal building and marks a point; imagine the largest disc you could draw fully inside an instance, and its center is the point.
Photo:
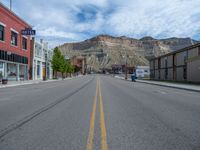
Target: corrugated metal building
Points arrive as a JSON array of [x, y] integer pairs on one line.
[[181, 65]]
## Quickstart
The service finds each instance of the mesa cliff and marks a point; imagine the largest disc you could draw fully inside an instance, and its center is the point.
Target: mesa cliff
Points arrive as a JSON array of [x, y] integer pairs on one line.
[[103, 51]]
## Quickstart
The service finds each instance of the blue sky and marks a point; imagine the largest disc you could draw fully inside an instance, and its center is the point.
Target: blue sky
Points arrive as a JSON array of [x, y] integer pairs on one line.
[[60, 21]]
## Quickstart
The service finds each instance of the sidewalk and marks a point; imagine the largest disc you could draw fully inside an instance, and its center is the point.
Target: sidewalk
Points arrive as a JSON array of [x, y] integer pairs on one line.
[[183, 86], [18, 83], [28, 82]]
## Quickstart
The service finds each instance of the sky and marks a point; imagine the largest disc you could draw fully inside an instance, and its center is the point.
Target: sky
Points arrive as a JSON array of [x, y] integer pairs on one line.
[[62, 21]]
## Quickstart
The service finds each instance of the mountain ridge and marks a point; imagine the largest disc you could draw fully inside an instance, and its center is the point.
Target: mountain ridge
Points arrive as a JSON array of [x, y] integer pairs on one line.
[[102, 51]]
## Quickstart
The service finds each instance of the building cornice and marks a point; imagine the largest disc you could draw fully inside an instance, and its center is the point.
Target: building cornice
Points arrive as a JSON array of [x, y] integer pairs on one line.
[[14, 15]]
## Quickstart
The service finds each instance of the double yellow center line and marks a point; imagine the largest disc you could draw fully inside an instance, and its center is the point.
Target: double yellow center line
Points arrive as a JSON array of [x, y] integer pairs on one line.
[[90, 140]]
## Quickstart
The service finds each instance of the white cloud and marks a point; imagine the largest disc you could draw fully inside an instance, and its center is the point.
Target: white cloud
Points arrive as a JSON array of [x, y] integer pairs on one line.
[[93, 26], [155, 18], [52, 32], [58, 19], [97, 3]]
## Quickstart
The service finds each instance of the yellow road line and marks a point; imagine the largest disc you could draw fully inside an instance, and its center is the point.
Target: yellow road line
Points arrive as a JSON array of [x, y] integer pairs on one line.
[[104, 145], [92, 122]]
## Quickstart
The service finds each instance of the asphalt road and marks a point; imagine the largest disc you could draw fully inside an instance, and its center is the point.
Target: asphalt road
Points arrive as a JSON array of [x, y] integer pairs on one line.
[[98, 113]]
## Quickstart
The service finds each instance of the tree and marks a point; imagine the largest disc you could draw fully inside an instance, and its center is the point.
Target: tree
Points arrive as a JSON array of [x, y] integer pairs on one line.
[[71, 69], [63, 65], [56, 60], [67, 67]]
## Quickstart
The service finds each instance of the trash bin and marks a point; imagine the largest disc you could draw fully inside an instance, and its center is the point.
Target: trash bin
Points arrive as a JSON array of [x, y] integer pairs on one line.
[[4, 81], [133, 78]]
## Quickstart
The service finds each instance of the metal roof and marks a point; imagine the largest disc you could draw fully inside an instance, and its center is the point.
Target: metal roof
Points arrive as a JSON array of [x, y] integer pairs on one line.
[[178, 51]]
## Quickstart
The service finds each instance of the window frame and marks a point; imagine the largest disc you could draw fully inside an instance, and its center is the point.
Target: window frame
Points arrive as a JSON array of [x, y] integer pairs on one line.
[[3, 33], [24, 38], [16, 38]]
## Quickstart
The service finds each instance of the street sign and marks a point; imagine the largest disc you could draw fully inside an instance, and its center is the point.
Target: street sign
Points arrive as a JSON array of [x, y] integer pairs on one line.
[[28, 31]]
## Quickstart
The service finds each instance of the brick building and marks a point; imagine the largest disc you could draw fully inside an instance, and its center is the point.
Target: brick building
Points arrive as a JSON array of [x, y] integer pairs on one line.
[[119, 69], [14, 47], [181, 65], [80, 64]]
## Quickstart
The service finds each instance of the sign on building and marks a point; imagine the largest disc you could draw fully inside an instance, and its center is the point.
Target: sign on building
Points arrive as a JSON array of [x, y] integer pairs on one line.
[[28, 31]]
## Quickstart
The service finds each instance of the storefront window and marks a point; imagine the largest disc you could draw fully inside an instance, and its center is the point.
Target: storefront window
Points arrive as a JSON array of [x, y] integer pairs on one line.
[[12, 71], [43, 70], [22, 72], [38, 70], [1, 70]]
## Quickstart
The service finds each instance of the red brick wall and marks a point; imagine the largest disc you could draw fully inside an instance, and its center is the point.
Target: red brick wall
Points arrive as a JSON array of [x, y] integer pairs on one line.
[[12, 21]]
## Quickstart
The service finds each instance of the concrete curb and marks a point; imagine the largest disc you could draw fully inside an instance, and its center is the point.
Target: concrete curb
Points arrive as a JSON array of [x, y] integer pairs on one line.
[[170, 86], [36, 82], [175, 87], [21, 84]]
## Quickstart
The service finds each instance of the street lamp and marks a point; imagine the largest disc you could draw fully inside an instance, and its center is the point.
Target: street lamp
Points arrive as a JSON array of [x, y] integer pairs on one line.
[[125, 64], [46, 65]]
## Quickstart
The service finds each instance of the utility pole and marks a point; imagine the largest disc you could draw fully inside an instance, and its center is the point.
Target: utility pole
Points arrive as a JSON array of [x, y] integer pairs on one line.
[[46, 65], [10, 5], [126, 75], [126, 70]]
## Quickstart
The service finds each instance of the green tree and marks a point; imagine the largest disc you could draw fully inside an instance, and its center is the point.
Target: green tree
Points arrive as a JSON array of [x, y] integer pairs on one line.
[[67, 67], [62, 66], [71, 69], [56, 60]]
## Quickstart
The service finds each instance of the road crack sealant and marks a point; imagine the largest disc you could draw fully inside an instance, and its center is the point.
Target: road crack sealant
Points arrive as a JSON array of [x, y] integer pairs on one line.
[[33, 115]]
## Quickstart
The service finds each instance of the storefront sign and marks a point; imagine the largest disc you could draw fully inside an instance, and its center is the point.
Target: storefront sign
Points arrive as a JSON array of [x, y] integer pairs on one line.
[[28, 31]]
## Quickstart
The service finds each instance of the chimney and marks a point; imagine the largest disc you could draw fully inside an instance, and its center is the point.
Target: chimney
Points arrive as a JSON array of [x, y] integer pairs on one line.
[[33, 38]]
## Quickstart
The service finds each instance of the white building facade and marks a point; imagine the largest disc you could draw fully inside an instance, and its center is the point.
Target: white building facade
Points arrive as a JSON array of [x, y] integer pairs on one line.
[[42, 57]]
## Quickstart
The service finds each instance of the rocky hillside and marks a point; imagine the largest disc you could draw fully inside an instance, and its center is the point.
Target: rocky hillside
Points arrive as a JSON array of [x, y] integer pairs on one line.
[[102, 51]]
